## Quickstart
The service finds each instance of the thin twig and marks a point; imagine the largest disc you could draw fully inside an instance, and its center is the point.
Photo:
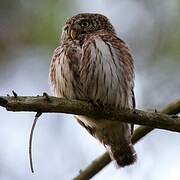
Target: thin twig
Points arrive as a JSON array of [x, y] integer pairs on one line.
[[38, 114], [14, 94]]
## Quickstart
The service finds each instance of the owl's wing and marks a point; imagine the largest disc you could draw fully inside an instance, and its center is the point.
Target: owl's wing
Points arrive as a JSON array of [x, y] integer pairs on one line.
[[107, 70], [64, 71], [52, 71], [58, 55]]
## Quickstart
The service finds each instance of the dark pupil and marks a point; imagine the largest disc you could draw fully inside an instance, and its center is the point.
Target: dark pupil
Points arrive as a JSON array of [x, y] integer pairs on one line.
[[84, 23]]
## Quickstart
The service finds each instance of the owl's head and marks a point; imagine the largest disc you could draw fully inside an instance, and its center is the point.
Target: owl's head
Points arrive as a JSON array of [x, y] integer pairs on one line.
[[78, 26]]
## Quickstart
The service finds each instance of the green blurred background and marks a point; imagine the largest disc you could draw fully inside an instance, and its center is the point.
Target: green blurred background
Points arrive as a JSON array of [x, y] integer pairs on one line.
[[31, 23]]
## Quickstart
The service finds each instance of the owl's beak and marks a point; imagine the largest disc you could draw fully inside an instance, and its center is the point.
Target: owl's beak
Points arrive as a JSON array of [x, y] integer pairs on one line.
[[73, 34]]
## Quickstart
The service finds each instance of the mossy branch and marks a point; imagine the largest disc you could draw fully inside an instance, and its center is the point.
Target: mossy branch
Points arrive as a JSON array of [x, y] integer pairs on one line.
[[48, 104]]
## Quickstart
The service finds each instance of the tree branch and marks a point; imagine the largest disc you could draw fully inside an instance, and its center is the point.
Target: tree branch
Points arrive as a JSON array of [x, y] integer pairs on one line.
[[102, 161], [53, 104]]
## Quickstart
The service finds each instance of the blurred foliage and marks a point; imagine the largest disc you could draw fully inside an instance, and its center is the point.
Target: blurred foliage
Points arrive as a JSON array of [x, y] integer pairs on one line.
[[35, 22]]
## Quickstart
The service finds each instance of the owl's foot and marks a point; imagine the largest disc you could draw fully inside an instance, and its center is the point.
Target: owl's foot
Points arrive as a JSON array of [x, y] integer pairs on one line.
[[97, 105]]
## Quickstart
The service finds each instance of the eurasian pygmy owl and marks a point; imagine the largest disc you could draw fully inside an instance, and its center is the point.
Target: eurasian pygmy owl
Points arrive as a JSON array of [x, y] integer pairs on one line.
[[93, 64]]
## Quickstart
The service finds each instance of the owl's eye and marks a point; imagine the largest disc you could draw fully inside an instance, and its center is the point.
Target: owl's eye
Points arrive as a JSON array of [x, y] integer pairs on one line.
[[84, 23]]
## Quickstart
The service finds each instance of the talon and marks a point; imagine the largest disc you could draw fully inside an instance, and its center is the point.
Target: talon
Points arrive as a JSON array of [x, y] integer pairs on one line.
[[155, 110], [96, 105], [15, 94]]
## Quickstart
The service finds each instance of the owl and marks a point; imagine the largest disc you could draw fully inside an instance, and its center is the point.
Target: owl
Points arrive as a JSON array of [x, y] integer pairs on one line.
[[93, 64]]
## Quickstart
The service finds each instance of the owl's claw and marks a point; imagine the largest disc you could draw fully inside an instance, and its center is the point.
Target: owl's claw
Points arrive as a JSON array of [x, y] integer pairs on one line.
[[97, 105]]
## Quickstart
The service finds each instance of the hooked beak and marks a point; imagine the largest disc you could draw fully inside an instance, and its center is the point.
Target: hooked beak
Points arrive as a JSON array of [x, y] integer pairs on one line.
[[73, 34]]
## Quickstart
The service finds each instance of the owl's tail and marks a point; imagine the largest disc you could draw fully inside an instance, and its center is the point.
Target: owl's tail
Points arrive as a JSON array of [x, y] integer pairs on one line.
[[116, 137], [124, 154]]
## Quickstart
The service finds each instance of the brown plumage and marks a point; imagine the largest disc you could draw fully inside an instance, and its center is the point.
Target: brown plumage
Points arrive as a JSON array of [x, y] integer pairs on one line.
[[93, 64]]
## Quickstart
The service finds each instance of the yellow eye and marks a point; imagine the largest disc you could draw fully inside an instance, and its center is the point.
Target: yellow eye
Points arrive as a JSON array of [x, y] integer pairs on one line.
[[84, 23]]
